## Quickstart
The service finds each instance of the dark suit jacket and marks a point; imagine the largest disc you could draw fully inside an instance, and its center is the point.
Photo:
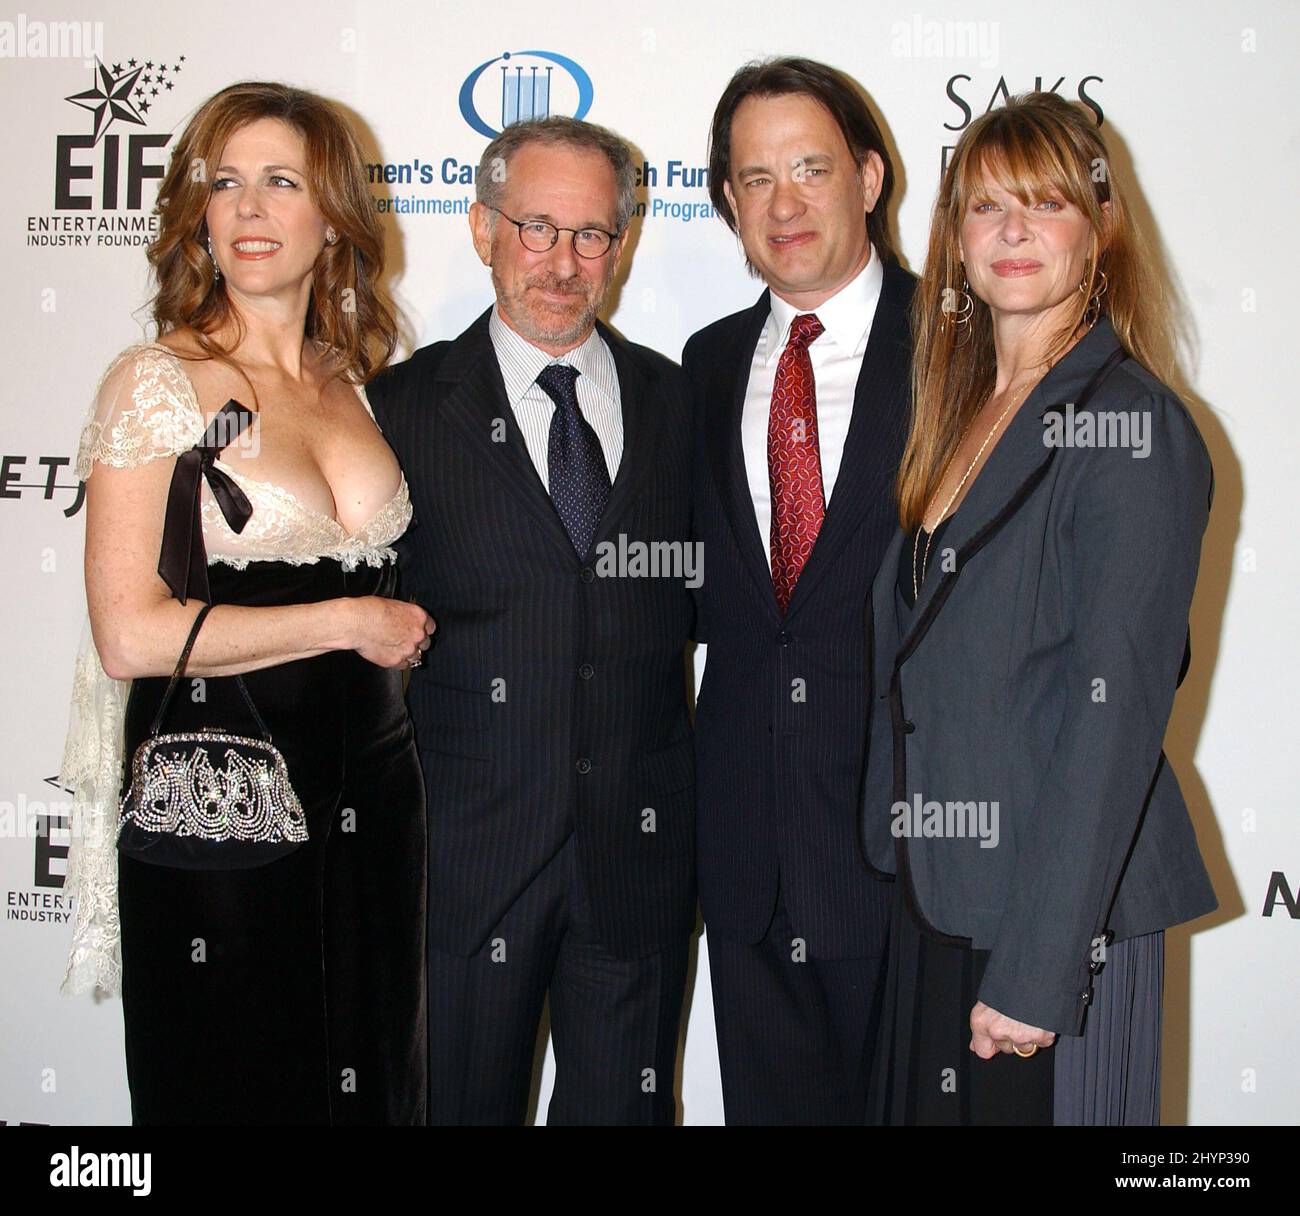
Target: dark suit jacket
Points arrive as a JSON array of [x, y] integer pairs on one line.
[[1038, 672], [553, 699], [777, 777]]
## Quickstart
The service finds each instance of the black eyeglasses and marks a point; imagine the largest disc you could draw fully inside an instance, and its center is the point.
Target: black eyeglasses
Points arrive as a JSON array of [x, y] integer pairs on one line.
[[537, 236]]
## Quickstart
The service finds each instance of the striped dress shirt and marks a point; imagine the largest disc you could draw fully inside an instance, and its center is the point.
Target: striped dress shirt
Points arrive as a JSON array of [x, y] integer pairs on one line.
[[596, 386]]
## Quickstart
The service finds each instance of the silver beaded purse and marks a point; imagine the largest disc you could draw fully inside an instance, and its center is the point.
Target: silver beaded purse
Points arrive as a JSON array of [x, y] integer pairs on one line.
[[208, 799]]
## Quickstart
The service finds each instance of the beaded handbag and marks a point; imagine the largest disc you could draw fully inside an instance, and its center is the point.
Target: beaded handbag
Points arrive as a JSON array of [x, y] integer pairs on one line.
[[206, 799]]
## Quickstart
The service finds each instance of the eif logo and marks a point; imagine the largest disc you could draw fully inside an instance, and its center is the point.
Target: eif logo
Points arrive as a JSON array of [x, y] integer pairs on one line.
[[102, 171], [119, 96], [519, 85]]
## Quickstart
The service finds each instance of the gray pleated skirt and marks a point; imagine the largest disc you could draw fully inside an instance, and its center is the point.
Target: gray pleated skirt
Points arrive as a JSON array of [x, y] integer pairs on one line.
[[1111, 1073], [925, 1073]]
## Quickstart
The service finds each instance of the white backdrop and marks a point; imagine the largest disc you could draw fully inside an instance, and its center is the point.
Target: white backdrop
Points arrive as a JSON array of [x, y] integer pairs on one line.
[[1196, 100]]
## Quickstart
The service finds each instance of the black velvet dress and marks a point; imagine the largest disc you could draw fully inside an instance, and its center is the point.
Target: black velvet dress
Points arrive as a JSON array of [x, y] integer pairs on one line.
[[292, 993]]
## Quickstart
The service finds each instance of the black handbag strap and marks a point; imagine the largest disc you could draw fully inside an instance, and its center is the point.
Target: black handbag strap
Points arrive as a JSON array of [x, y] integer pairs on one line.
[[179, 674], [180, 669]]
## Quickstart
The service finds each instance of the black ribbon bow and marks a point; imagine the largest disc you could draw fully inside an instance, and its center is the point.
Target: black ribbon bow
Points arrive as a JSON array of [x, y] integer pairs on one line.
[[183, 561]]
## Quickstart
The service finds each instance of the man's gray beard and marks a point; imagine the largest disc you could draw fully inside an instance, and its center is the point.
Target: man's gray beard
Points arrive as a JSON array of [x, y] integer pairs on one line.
[[521, 320]]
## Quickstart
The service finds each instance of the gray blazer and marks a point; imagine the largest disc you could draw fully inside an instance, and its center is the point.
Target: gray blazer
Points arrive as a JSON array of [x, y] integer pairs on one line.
[[1019, 709]]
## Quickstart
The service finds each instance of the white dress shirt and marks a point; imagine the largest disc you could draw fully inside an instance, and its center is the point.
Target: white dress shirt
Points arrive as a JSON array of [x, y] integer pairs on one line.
[[597, 388], [836, 356]]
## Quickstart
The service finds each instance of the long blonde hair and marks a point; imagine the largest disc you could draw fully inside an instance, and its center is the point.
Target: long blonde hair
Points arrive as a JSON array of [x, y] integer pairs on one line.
[[345, 313], [1036, 144]]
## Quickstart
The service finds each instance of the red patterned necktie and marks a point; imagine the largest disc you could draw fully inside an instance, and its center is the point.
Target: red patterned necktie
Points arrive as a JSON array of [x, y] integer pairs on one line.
[[794, 466]]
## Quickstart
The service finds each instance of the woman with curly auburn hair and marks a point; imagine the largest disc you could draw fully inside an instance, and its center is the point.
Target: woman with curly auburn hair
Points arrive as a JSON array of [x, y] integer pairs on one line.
[[1030, 626], [277, 976], [344, 312]]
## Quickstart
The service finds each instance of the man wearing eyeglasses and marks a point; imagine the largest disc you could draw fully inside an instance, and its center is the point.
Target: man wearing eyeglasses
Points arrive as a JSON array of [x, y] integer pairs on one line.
[[541, 450]]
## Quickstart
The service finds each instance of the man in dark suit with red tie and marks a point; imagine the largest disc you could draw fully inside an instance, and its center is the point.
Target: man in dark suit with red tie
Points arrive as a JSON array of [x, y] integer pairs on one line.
[[801, 407]]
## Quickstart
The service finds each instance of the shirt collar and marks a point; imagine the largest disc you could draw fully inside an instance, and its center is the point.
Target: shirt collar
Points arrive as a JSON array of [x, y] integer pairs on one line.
[[521, 361], [845, 317]]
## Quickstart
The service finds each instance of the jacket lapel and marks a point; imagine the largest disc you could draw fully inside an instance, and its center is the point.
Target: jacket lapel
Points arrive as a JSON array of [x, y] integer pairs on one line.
[[727, 455], [474, 400], [868, 466], [476, 403], [640, 429], [1017, 462]]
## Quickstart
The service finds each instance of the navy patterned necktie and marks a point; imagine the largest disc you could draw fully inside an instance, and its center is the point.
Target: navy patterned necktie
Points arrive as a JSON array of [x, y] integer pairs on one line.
[[575, 465]]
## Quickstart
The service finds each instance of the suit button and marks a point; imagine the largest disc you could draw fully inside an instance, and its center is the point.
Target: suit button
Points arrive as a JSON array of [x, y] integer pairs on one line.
[[908, 726], [587, 574], [586, 671], [584, 765], [783, 638]]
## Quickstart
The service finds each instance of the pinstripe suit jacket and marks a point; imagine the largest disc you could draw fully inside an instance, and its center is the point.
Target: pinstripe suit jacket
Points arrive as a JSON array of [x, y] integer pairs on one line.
[[553, 699], [782, 714]]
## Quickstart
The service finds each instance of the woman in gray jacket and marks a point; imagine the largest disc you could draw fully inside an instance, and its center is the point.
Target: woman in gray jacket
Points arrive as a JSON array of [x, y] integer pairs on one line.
[[1029, 629]]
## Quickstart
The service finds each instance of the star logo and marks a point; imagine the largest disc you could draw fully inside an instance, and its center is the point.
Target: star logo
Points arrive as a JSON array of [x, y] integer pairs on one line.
[[110, 98]]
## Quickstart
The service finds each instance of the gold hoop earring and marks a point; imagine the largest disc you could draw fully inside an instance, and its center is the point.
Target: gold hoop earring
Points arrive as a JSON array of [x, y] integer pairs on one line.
[[957, 309], [1092, 310], [968, 306], [959, 314]]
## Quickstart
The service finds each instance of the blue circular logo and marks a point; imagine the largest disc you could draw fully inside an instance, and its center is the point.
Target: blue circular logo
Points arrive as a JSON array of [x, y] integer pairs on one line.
[[526, 80]]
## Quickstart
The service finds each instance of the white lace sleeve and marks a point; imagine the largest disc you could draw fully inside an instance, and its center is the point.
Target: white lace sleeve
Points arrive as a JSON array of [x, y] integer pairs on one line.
[[92, 769], [141, 410]]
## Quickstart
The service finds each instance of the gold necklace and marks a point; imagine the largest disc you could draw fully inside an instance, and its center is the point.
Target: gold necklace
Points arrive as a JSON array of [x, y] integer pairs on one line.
[[929, 533]]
